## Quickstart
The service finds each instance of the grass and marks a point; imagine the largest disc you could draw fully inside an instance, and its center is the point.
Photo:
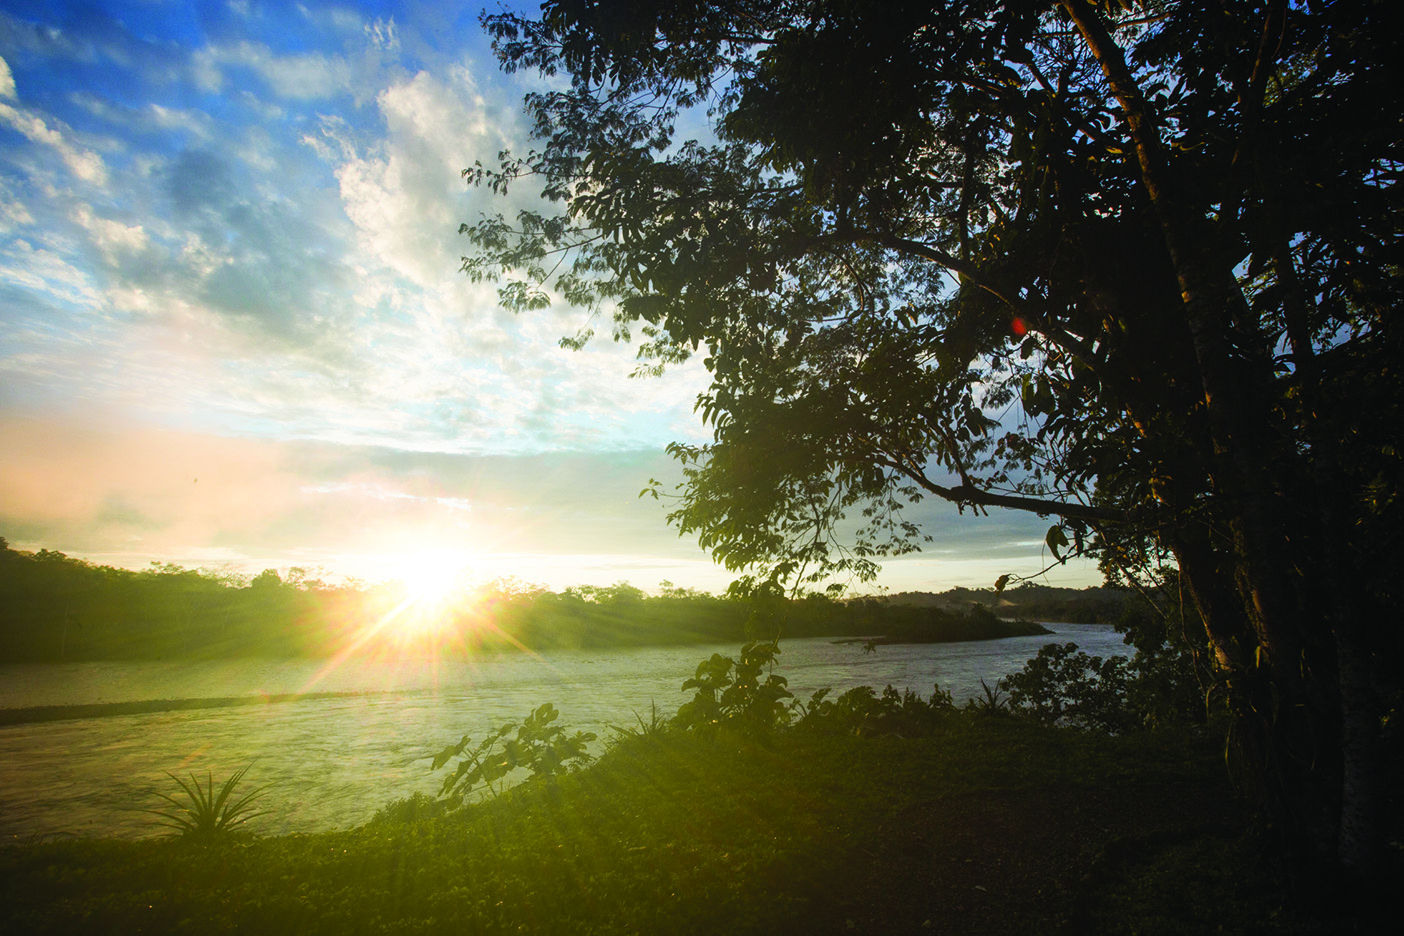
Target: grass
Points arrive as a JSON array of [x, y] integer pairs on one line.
[[794, 833]]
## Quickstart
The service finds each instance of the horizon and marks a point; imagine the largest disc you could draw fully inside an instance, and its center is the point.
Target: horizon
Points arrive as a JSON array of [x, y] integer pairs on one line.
[[461, 578]]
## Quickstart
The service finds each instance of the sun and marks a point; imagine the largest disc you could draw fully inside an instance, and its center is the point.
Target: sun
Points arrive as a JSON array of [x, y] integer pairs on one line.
[[436, 587], [432, 579]]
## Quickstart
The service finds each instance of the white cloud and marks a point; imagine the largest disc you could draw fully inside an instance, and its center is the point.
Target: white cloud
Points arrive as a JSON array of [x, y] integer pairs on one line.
[[7, 81], [47, 272], [153, 118], [112, 238], [205, 71], [383, 35], [476, 377], [298, 77], [335, 18], [263, 110], [13, 212], [255, 285], [259, 150], [404, 194], [83, 163]]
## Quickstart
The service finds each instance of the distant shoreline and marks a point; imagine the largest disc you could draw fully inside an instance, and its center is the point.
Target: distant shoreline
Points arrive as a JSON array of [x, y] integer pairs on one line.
[[956, 634], [50, 713]]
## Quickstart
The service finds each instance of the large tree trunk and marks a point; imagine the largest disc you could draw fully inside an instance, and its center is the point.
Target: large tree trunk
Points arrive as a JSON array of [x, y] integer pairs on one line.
[[1298, 676], [1286, 733], [1362, 796]]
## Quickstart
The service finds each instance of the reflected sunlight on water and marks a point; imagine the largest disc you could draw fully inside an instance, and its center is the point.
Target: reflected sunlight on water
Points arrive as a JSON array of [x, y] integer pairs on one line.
[[334, 760]]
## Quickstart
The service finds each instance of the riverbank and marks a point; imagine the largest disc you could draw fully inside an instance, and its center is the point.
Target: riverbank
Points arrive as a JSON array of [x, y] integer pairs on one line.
[[953, 631], [987, 824]]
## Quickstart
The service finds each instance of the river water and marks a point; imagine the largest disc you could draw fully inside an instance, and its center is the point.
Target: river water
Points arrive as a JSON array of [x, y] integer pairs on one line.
[[366, 730]]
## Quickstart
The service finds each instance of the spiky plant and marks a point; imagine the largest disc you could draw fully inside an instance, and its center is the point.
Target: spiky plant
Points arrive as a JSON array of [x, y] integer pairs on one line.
[[656, 726], [203, 812]]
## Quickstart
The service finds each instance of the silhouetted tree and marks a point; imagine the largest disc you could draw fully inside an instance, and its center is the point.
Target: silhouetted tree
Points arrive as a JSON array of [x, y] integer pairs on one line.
[[1132, 265]]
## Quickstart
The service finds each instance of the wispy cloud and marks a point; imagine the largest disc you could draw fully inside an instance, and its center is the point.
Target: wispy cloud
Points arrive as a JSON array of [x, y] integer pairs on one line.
[[83, 163], [143, 491], [300, 77], [121, 494]]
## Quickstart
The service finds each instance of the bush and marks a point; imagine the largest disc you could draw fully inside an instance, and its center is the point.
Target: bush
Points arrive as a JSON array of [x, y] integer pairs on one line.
[[1164, 688], [541, 747], [861, 711], [1161, 686], [1064, 686], [734, 694]]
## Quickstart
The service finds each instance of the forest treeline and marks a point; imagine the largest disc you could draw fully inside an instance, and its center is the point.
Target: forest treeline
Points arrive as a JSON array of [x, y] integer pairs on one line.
[[56, 607]]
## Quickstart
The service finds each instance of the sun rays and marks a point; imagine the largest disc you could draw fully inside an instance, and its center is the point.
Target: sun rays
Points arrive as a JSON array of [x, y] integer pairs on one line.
[[438, 605]]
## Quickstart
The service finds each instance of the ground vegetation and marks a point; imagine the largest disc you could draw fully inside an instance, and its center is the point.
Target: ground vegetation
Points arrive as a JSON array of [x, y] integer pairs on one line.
[[979, 825]]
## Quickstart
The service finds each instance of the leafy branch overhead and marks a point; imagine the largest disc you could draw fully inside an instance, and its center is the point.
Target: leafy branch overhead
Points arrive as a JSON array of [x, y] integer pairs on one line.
[[1132, 266]]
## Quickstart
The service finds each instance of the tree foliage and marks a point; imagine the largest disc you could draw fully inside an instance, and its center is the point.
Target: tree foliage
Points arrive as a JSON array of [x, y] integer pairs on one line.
[[1132, 264]]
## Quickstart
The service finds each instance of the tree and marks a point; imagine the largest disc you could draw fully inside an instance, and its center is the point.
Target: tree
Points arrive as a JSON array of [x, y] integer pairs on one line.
[[1131, 265]]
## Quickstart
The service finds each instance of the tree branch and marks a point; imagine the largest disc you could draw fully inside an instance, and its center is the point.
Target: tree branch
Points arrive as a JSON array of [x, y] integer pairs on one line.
[[1250, 103], [967, 494]]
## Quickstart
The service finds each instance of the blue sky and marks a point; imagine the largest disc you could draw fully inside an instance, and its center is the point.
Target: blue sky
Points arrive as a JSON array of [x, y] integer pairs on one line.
[[233, 331]]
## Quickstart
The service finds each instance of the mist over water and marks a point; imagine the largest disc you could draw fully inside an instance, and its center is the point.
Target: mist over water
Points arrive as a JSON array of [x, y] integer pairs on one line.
[[333, 760]]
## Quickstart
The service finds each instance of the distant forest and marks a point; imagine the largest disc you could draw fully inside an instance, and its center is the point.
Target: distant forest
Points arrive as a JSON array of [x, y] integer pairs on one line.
[[54, 607]]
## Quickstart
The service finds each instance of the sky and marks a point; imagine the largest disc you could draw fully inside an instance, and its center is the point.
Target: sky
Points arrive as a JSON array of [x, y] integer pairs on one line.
[[234, 334]]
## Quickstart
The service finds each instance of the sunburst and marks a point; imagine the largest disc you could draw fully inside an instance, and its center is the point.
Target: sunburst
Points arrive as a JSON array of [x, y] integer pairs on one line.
[[437, 586]]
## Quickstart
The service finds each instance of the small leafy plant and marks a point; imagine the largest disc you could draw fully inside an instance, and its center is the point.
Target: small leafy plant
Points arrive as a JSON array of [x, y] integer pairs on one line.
[[540, 746], [734, 694], [200, 811]]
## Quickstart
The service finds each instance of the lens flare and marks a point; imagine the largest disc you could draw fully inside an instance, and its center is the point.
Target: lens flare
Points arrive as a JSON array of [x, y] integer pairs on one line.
[[431, 580]]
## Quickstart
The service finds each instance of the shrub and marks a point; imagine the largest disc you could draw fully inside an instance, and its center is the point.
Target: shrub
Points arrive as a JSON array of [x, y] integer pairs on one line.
[[993, 702], [1065, 686], [653, 729], [1168, 677], [540, 746], [861, 711], [734, 694], [1159, 687]]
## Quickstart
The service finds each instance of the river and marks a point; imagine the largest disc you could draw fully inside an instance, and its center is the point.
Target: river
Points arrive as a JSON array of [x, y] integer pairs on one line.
[[361, 733]]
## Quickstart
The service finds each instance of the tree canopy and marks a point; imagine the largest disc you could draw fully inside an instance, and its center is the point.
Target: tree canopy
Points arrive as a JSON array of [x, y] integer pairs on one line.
[[1133, 265]]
